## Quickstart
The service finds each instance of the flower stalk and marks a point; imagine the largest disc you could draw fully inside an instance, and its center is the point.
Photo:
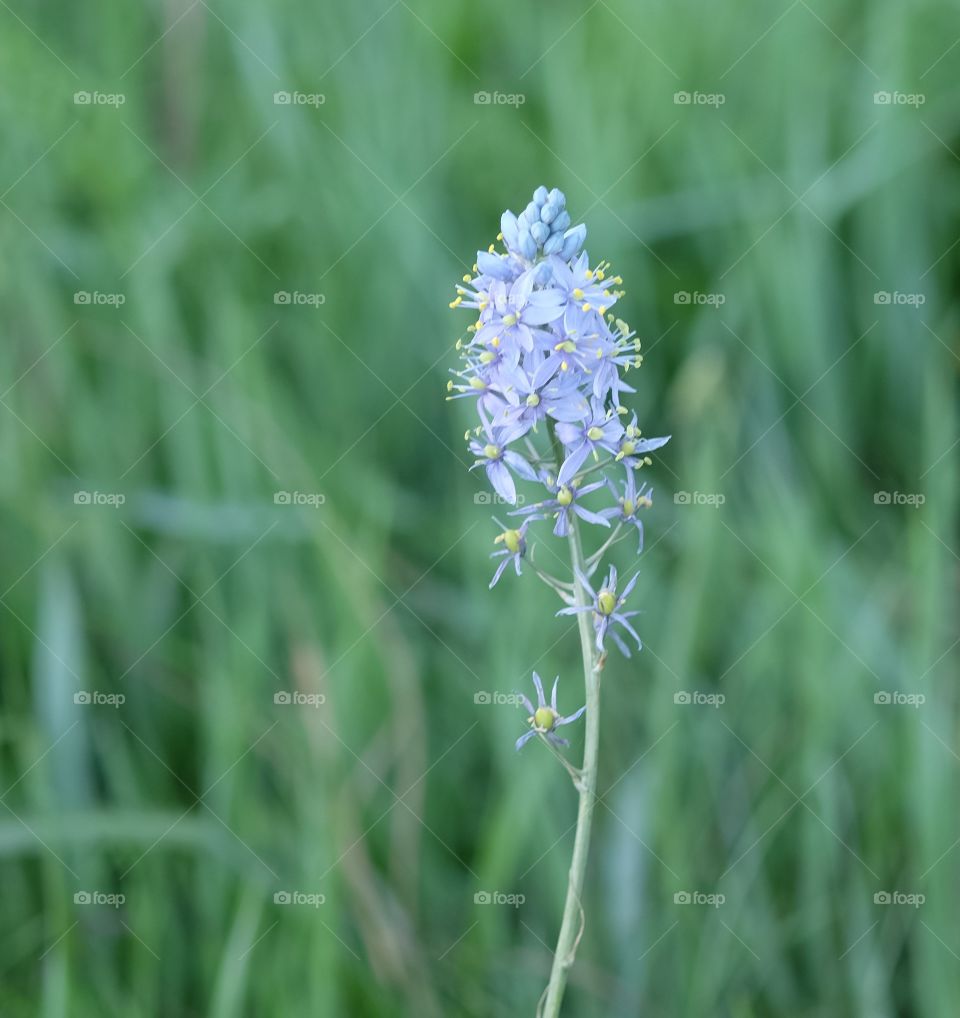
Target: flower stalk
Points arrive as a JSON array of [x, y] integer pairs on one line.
[[571, 926]]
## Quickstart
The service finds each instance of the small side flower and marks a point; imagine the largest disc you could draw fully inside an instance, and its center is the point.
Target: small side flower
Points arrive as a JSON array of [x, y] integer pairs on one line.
[[606, 606], [544, 719]]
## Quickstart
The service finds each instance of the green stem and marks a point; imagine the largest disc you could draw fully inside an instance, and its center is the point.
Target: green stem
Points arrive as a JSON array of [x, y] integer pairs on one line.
[[571, 925]]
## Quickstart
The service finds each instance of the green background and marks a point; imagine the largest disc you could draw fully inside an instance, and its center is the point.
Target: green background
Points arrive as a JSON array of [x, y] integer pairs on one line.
[[798, 399]]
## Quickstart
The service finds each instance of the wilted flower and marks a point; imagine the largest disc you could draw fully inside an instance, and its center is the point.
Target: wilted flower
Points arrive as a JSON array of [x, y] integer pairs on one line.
[[605, 605], [543, 719]]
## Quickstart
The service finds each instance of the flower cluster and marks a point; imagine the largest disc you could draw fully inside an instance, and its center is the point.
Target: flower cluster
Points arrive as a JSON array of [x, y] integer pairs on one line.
[[546, 354]]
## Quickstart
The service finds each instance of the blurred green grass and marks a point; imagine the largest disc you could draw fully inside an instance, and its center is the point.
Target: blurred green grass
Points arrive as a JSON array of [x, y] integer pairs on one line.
[[798, 399]]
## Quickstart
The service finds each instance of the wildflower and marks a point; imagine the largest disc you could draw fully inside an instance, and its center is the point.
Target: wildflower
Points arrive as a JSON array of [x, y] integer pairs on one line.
[[601, 430], [544, 720], [633, 448], [631, 500], [495, 457], [605, 605], [514, 548], [565, 501]]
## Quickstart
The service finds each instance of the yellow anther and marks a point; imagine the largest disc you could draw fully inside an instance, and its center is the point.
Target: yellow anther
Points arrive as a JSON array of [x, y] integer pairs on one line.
[[564, 366], [477, 383], [578, 294], [490, 249], [499, 236], [456, 303], [495, 342], [602, 310], [467, 278], [585, 306], [486, 357]]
